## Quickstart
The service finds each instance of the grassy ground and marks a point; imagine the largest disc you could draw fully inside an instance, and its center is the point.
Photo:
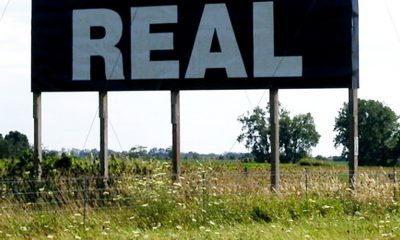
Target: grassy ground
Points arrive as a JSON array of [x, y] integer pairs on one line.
[[318, 228], [212, 201], [117, 224]]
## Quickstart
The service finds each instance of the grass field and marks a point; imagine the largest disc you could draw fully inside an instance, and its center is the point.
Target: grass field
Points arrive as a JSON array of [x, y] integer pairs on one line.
[[110, 227], [212, 201]]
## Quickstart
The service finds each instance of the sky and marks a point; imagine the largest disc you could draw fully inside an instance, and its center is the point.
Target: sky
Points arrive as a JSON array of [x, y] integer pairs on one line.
[[208, 118]]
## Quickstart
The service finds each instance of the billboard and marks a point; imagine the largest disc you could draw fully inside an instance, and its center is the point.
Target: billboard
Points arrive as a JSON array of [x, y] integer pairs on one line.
[[123, 45]]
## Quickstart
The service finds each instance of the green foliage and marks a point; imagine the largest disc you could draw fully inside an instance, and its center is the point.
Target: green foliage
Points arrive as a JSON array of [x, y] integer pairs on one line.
[[137, 152], [378, 133], [396, 150], [160, 209], [13, 145], [65, 162], [17, 143], [141, 203], [14, 167], [297, 135], [261, 214], [255, 133], [314, 162], [3, 147]]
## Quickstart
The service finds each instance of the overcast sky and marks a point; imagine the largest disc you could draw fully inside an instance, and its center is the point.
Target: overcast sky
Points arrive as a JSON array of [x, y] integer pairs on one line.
[[209, 119]]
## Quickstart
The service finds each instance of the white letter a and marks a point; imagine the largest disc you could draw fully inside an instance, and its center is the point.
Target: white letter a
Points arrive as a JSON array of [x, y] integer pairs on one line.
[[215, 19]]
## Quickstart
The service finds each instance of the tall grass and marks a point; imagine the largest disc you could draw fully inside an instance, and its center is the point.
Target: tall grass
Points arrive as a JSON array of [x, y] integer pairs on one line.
[[139, 200]]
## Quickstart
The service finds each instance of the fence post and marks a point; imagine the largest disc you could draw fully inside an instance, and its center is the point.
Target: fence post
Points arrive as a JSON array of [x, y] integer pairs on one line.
[[394, 182], [306, 180], [246, 172], [85, 198], [203, 191]]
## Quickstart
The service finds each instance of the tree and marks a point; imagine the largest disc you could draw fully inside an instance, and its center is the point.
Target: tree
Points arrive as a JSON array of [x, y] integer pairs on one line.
[[377, 125], [137, 152], [160, 153], [297, 135], [3, 148], [255, 134], [17, 143], [396, 150], [14, 144]]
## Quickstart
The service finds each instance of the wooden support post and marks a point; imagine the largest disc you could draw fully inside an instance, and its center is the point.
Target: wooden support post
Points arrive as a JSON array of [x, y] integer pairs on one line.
[[103, 114], [274, 121], [176, 135], [353, 148], [37, 151]]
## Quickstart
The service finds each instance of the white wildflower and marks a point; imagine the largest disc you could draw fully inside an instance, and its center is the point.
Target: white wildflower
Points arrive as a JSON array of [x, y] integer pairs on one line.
[[23, 228]]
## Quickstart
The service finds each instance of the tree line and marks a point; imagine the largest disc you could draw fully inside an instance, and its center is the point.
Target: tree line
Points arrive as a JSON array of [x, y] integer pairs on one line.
[[379, 139], [15, 145], [379, 134], [166, 154]]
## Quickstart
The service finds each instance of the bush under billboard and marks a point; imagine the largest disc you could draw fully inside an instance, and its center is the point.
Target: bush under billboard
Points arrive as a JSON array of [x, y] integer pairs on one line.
[[122, 45]]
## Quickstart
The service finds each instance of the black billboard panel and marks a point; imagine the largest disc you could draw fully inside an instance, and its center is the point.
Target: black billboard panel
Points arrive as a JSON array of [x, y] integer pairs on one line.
[[120, 45]]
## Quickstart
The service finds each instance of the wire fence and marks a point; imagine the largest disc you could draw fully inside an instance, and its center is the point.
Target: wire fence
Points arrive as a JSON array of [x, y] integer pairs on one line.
[[91, 193]]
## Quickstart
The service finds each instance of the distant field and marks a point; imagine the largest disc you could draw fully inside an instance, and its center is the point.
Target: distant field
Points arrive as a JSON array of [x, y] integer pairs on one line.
[[214, 200], [235, 164]]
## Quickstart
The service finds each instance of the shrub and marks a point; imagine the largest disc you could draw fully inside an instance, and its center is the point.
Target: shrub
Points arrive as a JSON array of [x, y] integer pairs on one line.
[[65, 162], [261, 214], [314, 162]]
